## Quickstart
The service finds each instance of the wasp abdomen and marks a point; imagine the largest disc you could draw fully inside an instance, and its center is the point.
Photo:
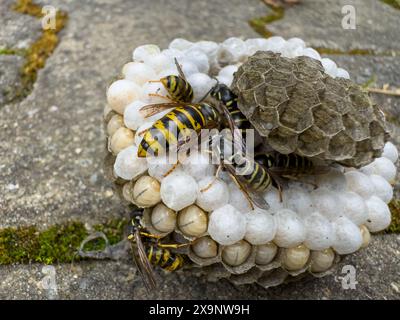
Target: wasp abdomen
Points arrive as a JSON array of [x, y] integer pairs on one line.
[[164, 258]]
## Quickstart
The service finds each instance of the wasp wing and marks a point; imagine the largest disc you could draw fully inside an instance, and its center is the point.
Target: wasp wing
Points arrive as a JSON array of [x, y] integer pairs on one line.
[[152, 109], [254, 197], [179, 68], [143, 264]]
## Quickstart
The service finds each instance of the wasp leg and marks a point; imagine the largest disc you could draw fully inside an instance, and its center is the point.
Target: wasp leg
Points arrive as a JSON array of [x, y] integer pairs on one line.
[[161, 96], [215, 178], [172, 169], [173, 245], [149, 235], [243, 190]]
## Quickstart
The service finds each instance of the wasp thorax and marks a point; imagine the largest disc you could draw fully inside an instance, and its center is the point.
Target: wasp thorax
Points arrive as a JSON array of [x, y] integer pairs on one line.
[[146, 192], [192, 221], [237, 253], [205, 247], [322, 260], [295, 258], [265, 253], [163, 218]]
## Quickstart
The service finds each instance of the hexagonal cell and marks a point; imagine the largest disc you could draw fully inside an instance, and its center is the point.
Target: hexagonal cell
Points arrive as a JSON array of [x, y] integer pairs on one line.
[[250, 80], [334, 86], [309, 63], [298, 122], [284, 65], [277, 78], [269, 96], [327, 120], [312, 142], [247, 103], [341, 147], [379, 135], [269, 117], [353, 128], [336, 103], [262, 64], [302, 97], [283, 140]]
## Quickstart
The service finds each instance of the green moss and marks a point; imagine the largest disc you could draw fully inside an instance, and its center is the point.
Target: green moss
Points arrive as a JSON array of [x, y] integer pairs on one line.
[[42, 48], [57, 244], [353, 52], [260, 24], [18, 245], [7, 51], [394, 3], [394, 206]]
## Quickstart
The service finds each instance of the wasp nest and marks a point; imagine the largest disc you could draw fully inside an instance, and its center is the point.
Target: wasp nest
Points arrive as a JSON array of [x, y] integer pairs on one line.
[[312, 227], [302, 109]]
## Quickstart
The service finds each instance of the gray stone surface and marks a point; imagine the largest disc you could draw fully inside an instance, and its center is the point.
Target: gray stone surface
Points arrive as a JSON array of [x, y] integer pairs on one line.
[[377, 274], [319, 23], [53, 139], [18, 31], [10, 80], [53, 146]]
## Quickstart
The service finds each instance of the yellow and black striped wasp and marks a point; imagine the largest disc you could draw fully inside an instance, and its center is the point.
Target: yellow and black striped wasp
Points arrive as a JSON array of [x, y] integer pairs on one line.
[[178, 88], [148, 251]]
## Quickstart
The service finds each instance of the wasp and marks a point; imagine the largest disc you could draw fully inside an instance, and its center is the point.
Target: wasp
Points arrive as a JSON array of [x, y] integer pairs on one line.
[[176, 126], [172, 129], [289, 165], [178, 88], [223, 94], [148, 251]]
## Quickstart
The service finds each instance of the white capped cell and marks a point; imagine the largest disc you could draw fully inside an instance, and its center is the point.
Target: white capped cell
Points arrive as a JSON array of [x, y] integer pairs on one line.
[[178, 190], [138, 72], [227, 225], [201, 84], [359, 183], [390, 151], [212, 194], [127, 164], [143, 52], [379, 216], [121, 93], [383, 189], [290, 229], [180, 44], [261, 227], [348, 238], [327, 203], [330, 67], [319, 230], [354, 207], [198, 165]]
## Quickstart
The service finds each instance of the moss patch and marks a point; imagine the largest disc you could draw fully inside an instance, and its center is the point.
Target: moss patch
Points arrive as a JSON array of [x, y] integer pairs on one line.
[[260, 24], [353, 52], [394, 3], [7, 51], [394, 206], [42, 48], [57, 244]]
